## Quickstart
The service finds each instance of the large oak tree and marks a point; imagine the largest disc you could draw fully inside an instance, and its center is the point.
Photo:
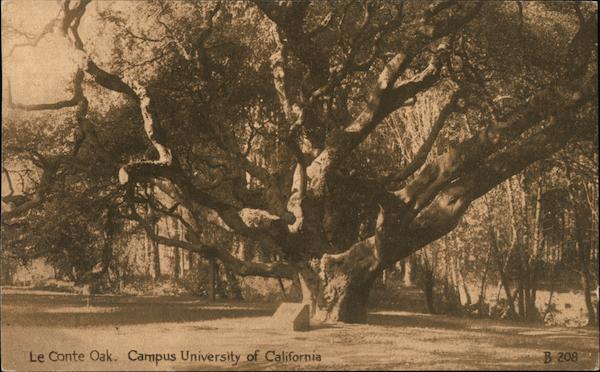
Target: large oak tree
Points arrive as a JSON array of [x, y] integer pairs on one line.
[[259, 116]]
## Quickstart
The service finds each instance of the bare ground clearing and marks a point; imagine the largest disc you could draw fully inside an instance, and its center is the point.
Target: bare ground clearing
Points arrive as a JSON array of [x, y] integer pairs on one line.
[[43, 322]]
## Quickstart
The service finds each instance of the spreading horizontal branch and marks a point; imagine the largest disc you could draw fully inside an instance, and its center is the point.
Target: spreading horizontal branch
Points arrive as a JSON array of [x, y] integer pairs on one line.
[[239, 267], [442, 215], [552, 101]]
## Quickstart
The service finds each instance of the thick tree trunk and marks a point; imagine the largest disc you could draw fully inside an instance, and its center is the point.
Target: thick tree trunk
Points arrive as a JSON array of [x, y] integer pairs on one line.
[[343, 296], [349, 302], [340, 290]]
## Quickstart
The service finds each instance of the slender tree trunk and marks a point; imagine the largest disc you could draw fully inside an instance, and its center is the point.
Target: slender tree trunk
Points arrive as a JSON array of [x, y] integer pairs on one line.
[[521, 299], [407, 277], [526, 289], [428, 287], [510, 299], [482, 288], [428, 283], [282, 288], [182, 254], [552, 281], [523, 284], [452, 279], [97, 277], [466, 290], [583, 254], [463, 284], [586, 283], [156, 257], [191, 262], [176, 263], [233, 284], [504, 281], [107, 258], [212, 278], [588, 299], [499, 287], [536, 251], [148, 245], [171, 231], [532, 312]]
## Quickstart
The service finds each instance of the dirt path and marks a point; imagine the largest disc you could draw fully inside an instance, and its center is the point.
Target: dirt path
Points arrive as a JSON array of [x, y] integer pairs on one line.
[[128, 327]]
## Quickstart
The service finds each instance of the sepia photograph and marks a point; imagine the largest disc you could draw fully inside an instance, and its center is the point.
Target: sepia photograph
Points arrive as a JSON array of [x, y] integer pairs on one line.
[[202, 185]]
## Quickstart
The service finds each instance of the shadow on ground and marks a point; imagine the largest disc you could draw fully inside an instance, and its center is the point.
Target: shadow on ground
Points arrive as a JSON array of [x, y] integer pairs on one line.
[[402, 319], [74, 311], [495, 335]]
